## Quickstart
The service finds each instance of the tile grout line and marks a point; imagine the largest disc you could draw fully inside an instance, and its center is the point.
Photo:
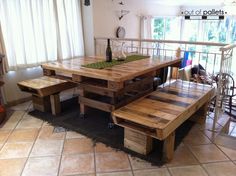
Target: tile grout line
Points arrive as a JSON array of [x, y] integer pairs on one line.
[[232, 130], [59, 165], [199, 163], [168, 169], [13, 129], [132, 171], [94, 157], [32, 145], [217, 145], [224, 152]]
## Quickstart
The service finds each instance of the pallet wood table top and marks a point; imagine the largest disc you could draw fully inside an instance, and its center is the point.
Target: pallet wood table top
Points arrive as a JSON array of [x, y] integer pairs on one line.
[[165, 109], [44, 85], [117, 73]]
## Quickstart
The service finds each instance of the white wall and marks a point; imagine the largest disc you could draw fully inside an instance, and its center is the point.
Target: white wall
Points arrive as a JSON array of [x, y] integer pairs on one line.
[[87, 18], [11, 90], [105, 14]]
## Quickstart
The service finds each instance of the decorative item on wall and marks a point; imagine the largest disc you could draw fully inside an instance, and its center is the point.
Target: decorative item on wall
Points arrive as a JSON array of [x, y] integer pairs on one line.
[[123, 13], [120, 2], [120, 32], [87, 2]]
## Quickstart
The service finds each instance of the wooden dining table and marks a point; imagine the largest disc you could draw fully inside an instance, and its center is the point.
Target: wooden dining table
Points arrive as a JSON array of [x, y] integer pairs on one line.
[[112, 87]]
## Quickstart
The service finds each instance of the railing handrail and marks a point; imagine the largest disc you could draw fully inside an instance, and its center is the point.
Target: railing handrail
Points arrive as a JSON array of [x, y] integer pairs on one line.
[[165, 41], [228, 47]]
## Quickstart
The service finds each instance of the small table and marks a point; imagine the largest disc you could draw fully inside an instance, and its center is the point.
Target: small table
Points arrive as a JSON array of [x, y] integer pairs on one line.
[[45, 92]]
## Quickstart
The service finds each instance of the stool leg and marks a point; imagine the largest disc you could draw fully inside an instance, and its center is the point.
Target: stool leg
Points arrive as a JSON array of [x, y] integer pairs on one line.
[[55, 104]]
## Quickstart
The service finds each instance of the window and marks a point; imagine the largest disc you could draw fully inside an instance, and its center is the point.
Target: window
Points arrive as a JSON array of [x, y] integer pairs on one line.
[[222, 31], [166, 28], [41, 31]]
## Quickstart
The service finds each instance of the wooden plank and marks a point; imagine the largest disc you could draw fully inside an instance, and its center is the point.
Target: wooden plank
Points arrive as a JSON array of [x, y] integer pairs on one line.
[[152, 117], [45, 86], [186, 114], [136, 127], [118, 73], [152, 111], [115, 85], [174, 72], [83, 108], [139, 119], [41, 103], [168, 147], [95, 104], [166, 100], [97, 89], [48, 72], [55, 104], [78, 78], [200, 115], [162, 106], [137, 142], [179, 93]]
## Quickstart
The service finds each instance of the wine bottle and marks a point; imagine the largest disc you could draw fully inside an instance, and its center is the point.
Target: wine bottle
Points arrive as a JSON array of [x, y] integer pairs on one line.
[[108, 52]]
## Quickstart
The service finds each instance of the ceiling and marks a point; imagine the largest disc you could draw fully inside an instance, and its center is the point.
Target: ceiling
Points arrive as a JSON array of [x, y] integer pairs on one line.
[[193, 2]]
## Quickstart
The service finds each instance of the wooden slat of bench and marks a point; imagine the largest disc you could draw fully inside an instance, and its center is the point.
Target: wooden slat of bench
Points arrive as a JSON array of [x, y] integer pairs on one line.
[[196, 87], [45, 86], [42, 82], [161, 109], [186, 115], [139, 119], [165, 105], [153, 111], [174, 97], [178, 108], [183, 90]]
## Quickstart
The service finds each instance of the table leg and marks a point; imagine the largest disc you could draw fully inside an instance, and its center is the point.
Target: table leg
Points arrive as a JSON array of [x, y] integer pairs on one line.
[[111, 123], [168, 147], [55, 104], [83, 108]]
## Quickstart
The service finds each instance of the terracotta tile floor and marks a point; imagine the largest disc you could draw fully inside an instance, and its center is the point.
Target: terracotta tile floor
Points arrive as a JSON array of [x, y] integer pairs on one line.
[[29, 147]]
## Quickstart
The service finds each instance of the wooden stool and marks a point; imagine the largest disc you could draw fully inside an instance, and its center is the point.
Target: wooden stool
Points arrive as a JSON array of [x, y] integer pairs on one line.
[[45, 92]]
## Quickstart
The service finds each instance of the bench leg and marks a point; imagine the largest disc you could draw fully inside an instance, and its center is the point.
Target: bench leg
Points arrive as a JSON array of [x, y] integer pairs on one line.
[[168, 147], [137, 142], [41, 103], [55, 104], [200, 115]]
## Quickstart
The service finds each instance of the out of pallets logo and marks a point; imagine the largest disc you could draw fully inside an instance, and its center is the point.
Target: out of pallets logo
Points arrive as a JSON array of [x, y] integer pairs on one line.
[[200, 14]]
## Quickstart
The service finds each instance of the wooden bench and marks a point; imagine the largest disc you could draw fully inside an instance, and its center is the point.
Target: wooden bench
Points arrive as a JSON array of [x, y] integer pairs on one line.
[[45, 92], [158, 114]]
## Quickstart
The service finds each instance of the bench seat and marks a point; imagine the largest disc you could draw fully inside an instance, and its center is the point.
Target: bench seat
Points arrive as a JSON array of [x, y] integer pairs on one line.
[[158, 114], [45, 92]]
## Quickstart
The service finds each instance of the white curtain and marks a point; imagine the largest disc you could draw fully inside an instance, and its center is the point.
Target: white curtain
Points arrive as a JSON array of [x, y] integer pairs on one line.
[[41, 30], [70, 27], [4, 64], [145, 32], [146, 27]]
